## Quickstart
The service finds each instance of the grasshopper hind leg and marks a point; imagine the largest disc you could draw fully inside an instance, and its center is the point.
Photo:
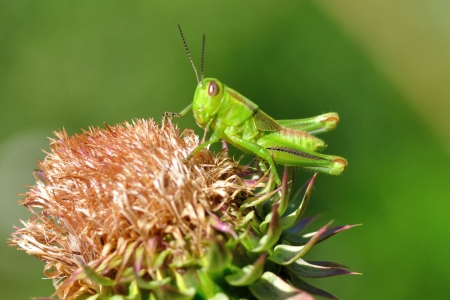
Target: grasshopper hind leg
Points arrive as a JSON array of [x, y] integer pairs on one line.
[[329, 164], [291, 153]]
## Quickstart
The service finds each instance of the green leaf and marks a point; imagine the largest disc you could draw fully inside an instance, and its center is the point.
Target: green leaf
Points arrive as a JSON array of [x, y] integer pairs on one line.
[[248, 274], [271, 287]]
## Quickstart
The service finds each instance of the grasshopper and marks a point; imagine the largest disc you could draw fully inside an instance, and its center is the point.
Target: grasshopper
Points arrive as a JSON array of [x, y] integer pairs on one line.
[[241, 123]]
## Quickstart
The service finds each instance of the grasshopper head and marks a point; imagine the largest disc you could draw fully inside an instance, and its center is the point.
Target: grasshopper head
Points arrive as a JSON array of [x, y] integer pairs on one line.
[[207, 99]]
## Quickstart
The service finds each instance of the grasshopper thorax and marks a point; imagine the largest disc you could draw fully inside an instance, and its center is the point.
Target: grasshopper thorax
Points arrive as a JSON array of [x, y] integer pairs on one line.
[[207, 99]]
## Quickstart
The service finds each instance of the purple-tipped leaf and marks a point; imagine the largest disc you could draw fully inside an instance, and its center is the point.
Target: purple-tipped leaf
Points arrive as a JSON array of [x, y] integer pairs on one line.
[[77, 275], [218, 225], [301, 240], [296, 200], [300, 225], [138, 260], [291, 217], [327, 264], [273, 232], [299, 283], [249, 202], [271, 287], [248, 274], [285, 190], [287, 254], [306, 269]]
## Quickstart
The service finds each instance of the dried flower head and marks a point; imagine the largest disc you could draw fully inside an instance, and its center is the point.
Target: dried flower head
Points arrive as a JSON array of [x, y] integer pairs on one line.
[[118, 211]]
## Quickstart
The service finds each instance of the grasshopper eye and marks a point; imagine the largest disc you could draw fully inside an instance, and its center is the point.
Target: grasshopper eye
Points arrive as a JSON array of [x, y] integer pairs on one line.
[[213, 88]]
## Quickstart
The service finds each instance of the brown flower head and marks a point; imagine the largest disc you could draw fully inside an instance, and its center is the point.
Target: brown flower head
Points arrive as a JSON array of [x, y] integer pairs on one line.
[[119, 213], [105, 193]]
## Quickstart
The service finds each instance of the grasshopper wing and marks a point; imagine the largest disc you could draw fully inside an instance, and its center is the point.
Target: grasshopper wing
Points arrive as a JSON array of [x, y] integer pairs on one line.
[[264, 122]]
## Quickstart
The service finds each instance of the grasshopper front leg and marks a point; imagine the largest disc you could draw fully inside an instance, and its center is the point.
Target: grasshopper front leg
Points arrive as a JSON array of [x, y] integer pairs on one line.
[[169, 114], [215, 137]]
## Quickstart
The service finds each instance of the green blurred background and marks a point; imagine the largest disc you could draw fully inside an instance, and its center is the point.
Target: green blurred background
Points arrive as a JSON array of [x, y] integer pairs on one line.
[[383, 65]]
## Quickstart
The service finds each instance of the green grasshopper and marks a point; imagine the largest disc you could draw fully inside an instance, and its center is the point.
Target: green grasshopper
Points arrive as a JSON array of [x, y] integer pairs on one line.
[[241, 123]]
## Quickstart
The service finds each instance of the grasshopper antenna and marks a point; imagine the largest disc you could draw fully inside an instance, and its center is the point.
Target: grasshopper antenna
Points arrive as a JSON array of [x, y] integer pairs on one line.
[[203, 59], [189, 54]]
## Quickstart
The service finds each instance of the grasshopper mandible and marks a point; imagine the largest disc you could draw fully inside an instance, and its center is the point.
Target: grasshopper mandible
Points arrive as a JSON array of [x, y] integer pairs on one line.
[[241, 123]]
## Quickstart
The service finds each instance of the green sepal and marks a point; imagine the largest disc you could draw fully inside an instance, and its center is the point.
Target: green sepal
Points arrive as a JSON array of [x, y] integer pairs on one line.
[[92, 297], [273, 232], [285, 191], [205, 285], [303, 285], [151, 285], [248, 274], [134, 291], [218, 258], [128, 253], [264, 224], [290, 218], [103, 297], [253, 201], [172, 293], [250, 237], [244, 222], [270, 287], [286, 254], [159, 258], [182, 262], [115, 297], [99, 279], [306, 269], [296, 239], [180, 282], [220, 296]]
